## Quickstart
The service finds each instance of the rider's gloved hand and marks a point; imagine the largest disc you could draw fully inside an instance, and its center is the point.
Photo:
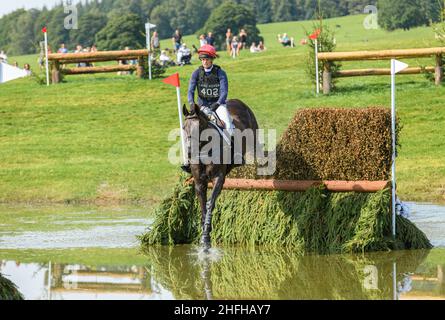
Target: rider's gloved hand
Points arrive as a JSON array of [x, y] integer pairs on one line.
[[214, 106]]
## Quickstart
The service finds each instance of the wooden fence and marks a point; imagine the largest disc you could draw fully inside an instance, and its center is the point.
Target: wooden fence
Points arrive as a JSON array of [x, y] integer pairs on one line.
[[62, 59], [329, 57], [302, 185]]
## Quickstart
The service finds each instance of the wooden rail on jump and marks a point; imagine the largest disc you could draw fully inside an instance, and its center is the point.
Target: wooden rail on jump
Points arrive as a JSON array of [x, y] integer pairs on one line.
[[303, 185], [329, 57], [59, 59]]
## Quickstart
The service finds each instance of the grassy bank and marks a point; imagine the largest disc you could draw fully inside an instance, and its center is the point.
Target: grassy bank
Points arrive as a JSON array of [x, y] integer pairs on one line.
[[104, 138]]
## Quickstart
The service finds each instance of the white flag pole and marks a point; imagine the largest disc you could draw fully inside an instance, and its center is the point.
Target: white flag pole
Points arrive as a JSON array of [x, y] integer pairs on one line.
[[316, 66], [393, 131], [46, 54], [184, 153], [148, 27]]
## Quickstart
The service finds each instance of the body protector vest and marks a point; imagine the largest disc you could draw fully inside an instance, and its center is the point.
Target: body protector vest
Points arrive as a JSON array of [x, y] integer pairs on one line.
[[208, 84]]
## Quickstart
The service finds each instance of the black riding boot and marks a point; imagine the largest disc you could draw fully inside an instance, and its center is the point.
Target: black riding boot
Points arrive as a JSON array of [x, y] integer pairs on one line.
[[186, 168]]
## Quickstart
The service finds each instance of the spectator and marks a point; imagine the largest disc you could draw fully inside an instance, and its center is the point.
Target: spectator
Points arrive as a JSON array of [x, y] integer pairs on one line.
[[41, 59], [79, 49], [202, 40], [177, 40], [27, 68], [229, 37], [243, 39], [261, 46], [16, 64], [155, 44], [254, 48], [235, 46], [285, 40], [62, 49], [87, 50], [210, 39], [93, 48], [165, 59], [3, 57], [184, 55]]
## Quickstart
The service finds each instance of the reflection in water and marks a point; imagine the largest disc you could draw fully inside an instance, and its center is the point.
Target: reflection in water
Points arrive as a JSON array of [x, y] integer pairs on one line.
[[238, 273], [282, 274], [53, 281]]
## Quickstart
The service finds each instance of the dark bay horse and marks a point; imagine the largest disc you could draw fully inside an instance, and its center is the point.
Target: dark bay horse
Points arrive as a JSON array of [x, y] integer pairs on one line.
[[197, 121]]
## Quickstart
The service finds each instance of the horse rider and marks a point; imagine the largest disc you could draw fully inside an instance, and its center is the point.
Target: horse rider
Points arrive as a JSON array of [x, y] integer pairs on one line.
[[213, 87]]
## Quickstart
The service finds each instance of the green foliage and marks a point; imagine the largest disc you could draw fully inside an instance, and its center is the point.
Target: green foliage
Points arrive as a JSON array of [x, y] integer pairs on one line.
[[234, 16], [90, 24], [336, 144], [326, 43], [8, 290], [403, 14], [122, 31]]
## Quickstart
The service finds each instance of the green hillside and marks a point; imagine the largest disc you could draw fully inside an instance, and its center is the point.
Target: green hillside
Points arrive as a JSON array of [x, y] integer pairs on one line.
[[105, 137]]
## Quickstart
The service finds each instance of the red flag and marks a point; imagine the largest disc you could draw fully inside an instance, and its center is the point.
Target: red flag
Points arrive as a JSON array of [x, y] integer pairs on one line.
[[315, 34], [44, 30], [173, 80]]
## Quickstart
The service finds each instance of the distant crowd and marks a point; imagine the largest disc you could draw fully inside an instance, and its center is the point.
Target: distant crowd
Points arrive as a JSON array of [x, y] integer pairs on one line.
[[179, 55]]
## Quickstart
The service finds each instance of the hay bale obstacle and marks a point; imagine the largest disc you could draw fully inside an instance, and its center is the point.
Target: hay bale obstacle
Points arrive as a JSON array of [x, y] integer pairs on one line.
[[319, 144]]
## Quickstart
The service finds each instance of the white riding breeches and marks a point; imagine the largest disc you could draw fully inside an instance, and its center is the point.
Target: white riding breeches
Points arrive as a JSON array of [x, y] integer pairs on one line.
[[224, 115]]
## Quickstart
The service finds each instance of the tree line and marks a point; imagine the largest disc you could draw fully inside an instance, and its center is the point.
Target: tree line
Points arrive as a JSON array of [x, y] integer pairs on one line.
[[114, 24]]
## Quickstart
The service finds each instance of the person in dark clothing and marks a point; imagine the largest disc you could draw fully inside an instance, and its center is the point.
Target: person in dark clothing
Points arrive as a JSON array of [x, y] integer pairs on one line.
[[177, 40], [211, 82], [210, 39]]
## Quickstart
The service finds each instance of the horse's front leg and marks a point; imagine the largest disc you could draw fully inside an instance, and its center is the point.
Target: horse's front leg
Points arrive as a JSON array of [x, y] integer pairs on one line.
[[201, 193], [217, 188]]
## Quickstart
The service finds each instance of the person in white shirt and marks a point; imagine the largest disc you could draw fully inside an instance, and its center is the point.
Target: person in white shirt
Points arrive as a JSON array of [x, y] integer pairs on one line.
[[184, 55], [254, 48], [3, 57], [164, 58]]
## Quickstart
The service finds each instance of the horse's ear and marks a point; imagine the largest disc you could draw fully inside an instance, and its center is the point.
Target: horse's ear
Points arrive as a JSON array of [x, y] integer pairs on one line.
[[185, 111], [194, 109]]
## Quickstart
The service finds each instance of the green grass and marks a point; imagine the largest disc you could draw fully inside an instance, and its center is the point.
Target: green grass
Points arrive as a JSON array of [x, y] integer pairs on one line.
[[105, 137], [84, 256], [20, 218]]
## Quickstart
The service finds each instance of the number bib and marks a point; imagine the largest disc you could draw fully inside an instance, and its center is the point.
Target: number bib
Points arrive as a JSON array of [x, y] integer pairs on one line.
[[208, 85]]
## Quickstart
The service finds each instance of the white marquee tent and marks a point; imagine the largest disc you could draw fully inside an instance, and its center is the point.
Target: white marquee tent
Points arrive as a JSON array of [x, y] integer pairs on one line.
[[8, 72]]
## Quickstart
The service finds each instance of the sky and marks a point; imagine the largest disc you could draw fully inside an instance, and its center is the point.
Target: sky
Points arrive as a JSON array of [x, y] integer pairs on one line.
[[7, 6]]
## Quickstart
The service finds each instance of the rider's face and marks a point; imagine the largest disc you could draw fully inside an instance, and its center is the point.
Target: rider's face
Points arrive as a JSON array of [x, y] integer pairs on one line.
[[206, 62]]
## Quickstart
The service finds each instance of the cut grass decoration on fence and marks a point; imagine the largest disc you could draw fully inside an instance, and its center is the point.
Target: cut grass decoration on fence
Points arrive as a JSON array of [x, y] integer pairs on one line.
[[324, 144], [8, 290]]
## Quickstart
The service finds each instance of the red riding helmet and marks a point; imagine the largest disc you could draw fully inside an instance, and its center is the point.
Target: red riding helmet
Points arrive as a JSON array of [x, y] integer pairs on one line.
[[207, 51]]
